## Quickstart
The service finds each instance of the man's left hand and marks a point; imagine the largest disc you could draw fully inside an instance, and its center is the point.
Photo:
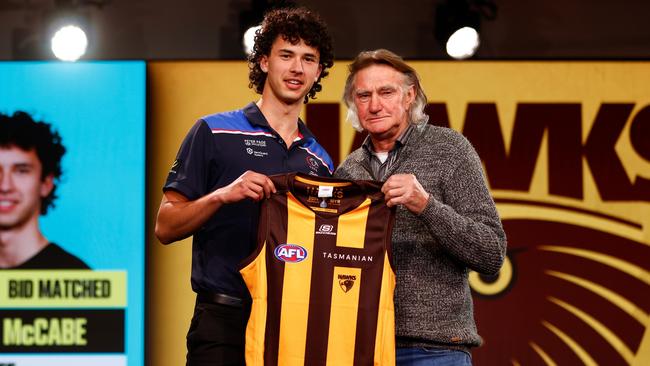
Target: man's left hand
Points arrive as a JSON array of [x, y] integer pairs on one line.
[[404, 189]]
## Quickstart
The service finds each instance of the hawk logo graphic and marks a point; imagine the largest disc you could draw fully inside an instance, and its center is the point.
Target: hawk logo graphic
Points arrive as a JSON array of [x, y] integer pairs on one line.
[[346, 282], [569, 293]]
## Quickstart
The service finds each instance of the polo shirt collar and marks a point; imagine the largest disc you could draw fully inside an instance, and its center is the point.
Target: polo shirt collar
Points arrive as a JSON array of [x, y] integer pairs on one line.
[[256, 118]]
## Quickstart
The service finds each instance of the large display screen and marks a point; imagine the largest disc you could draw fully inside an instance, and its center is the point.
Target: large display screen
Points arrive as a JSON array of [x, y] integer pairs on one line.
[[81, 299]]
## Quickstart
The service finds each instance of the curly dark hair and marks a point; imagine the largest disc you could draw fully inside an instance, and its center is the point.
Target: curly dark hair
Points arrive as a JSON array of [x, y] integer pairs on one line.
[[22, 131], [293, 24]]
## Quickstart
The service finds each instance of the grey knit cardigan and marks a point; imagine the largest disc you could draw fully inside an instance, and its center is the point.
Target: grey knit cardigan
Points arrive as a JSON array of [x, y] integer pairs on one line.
[[458, 230]]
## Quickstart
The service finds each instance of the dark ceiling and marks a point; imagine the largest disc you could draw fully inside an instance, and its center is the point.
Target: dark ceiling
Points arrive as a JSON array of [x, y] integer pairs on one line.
[[211, 29]]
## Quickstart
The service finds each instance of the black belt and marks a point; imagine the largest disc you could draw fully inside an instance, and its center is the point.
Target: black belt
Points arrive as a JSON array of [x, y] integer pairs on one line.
[[222, 299]]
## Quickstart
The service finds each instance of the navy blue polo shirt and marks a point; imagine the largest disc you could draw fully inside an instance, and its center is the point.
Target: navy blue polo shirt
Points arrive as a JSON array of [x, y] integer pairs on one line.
[[216, 151]]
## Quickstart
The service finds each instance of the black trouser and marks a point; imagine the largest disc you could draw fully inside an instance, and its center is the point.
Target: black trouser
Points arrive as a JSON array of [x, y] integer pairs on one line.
[[217, 334]]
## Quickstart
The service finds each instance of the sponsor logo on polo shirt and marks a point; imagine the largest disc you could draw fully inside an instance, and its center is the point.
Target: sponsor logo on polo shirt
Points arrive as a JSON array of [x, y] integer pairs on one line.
[[258, 143], [253, 147], [259, 154]]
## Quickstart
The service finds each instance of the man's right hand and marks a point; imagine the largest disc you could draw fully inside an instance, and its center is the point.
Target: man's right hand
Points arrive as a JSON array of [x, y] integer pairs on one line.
[[251, 185], [178, 217]]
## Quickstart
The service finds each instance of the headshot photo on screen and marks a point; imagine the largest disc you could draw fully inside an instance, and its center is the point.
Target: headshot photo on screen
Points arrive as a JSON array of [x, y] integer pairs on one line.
[[30, 169]]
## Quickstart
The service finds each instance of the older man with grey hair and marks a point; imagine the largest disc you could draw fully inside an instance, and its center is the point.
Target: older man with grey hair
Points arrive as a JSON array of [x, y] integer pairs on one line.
[[446, 223]]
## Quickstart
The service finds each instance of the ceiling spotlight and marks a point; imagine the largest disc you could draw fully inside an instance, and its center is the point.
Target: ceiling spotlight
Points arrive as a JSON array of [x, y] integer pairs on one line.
[[69, 43], [463, 43], [250, 19], [458, 23], [249, 39]]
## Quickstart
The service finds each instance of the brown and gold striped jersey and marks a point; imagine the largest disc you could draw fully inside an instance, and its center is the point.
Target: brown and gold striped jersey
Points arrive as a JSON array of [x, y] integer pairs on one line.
[[321, 277]]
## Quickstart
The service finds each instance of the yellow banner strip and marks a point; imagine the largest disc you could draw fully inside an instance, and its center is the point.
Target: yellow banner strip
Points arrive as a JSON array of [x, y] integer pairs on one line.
[[62, 289]]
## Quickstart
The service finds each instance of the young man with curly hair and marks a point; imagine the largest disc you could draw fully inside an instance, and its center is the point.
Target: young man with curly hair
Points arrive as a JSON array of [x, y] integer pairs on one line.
[[30, 167], [221, 172]]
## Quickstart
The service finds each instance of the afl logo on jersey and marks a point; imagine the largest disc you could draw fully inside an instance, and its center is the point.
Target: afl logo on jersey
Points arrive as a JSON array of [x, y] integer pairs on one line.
[[291, 253]]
